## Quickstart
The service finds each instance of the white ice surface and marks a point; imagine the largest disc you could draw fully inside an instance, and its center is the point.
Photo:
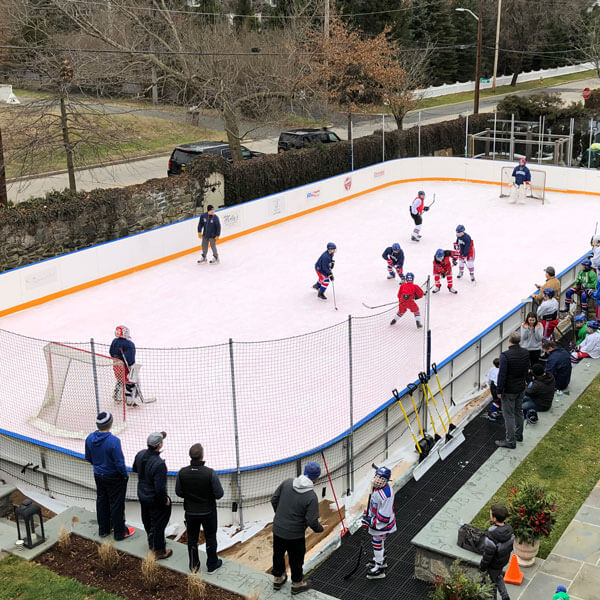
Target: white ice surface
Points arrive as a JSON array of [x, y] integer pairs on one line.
[[262, 291]]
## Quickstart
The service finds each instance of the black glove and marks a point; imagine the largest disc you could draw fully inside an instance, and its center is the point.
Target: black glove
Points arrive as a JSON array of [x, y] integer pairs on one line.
[[454, 261], [332, 264], [425, 208], [331, 277], [406, 296]]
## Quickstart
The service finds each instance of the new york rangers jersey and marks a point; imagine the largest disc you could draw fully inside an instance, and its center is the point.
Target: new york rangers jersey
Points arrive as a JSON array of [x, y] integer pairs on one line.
[[521, 174], [381, 511]]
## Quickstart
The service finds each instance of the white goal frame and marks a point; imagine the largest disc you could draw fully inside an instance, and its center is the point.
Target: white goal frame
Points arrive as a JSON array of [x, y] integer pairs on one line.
[[62, 360], [537, 189]]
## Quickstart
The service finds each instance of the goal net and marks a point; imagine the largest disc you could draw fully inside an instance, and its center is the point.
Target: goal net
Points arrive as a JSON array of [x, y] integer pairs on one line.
[[537, 189], [80, 385]]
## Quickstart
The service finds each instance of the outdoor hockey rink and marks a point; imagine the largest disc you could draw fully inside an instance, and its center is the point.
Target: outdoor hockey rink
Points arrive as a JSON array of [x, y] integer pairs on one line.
[[262, 290]]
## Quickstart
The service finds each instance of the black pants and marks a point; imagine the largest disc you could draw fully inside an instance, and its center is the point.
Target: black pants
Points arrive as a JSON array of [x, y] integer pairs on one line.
[[534, 357], [295, 550], [208, 522], [418, 219], [155, 518], [497, 577], [110, 504]]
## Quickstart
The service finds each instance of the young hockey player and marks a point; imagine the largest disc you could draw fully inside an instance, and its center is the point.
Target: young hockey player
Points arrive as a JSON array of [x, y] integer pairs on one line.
[[585, 284], [123, 349], [394, 257], [466, 252], [407, 294], [380, 520], [579, 331], [547, 313], [521, 182], [417, 208], [323, 267], [443, 268], [590, 347]]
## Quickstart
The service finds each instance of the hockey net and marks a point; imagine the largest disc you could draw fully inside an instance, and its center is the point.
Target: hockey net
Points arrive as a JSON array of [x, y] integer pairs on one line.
[[537, 189], [77, 390]]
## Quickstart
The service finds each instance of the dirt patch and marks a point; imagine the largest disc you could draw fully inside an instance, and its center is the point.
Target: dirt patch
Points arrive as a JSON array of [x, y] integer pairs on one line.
[[81, 562], [17, 499]]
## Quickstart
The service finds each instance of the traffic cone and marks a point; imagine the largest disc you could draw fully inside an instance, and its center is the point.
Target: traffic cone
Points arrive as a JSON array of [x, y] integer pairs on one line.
[[513, 573]]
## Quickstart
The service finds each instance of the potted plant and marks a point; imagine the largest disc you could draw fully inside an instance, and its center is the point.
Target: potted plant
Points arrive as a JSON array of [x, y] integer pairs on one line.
[[531, 512], [459, 586]]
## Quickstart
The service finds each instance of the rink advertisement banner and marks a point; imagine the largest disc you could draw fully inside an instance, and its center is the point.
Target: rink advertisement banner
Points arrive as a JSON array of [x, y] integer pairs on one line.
[[56, 277]]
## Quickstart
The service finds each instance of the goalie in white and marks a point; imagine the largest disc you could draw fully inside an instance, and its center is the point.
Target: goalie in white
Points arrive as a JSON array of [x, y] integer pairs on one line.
[[521, 186]]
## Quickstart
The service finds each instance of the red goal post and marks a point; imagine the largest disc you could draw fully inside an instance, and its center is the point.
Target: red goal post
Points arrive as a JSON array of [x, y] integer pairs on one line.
[[80, 384], [537, 189]]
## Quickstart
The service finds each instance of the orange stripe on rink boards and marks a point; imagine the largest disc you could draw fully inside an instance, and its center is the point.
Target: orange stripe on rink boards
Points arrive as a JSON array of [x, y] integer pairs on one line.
[[164, 259]]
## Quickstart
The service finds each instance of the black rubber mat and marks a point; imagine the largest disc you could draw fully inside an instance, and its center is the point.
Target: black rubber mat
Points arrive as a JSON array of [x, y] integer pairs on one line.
[[415, 504]]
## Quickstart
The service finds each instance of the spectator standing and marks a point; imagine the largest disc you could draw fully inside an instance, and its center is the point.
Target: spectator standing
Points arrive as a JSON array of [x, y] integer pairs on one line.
[[532, 334], [497, 548], [559, 364], [512, 380], [152, 493], [540, 392], [103, 450], [296, 507], [209, 230], [551, 282], [200, 488]]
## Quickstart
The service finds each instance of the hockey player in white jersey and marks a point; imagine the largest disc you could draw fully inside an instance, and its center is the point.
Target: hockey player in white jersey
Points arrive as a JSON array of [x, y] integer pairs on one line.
[[380, 520]]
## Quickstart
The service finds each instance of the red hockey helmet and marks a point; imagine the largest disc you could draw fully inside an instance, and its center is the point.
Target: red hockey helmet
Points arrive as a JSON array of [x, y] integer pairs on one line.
[[122, 331]]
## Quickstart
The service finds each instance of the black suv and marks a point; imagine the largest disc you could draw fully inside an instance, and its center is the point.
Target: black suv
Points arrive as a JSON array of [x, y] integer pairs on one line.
[[184, 154], [301, 138]]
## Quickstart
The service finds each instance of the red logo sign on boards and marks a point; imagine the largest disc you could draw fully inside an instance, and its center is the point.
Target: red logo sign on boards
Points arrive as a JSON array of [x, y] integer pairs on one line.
[[586, 93]]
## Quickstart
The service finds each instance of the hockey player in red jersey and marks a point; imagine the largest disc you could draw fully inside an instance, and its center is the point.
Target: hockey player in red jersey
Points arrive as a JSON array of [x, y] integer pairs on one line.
[[407, 294], [416, 209], [443, 268]]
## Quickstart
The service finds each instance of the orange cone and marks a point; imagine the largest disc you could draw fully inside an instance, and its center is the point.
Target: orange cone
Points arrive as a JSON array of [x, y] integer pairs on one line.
[[513, 574]]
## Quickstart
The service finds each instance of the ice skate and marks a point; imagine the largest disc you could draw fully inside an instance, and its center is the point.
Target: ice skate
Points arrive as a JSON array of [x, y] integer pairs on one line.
[[316, 286], [452, 290], [202, 259], [321, 295], [460, 274], [214, 260], [393, 321], [436, 289], [391, 276], [376, 572], [372, 563], [472, 277], [414, 238], [419, 325]]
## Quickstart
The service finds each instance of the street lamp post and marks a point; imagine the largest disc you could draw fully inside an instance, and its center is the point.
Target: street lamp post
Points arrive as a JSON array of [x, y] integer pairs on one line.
[[497, 44], [478, 60]]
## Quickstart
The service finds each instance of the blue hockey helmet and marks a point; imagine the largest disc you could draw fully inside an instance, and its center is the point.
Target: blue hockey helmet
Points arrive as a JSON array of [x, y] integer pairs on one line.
[[548, 292], [531, 416], [421, 193], [439, 254], [409, 277], [586, 263], [579, 319], [396, 247], [593, 325], [460, 229], [383, 472], [331, 246]]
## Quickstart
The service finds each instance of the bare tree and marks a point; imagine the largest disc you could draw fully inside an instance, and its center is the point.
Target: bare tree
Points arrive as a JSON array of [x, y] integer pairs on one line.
[[588, 40]]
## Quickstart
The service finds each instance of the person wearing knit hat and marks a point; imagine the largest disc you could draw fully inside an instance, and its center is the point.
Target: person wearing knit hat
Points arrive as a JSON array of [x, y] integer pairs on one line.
[[296, 506], [103, 450], [561, 593], [540, 391], [152, 493], [200, 488], [551, 282], [209, 230]]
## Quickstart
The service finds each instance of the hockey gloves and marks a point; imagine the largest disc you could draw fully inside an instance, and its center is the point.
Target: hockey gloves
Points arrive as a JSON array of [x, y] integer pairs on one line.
[[425, 208], [331, 277], [454, 262]]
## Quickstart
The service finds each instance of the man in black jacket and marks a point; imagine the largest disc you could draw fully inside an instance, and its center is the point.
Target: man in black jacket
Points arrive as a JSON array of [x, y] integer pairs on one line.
[[152, 493], [200, 488], [498, 545], [540, 392], [512, 381], [209, 229]]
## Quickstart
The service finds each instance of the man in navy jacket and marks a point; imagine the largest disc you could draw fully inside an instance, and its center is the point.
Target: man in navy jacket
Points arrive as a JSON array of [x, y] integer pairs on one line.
[[103, 450], [209, 229], [559, 364]]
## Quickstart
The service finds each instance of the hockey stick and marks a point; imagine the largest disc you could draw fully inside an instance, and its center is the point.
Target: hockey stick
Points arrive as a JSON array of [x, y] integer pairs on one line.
[[136, 384], [432, 202], [333, 290], [380, 305], [344, 530], [358, 558]]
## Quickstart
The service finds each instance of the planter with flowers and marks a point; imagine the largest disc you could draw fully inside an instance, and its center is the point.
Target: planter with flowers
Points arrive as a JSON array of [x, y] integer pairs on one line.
[[457, 585], [531, 512]]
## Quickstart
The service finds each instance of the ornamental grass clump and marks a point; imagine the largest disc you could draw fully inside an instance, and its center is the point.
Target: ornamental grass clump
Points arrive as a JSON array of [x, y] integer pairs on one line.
[[459, 586], [531, 511]]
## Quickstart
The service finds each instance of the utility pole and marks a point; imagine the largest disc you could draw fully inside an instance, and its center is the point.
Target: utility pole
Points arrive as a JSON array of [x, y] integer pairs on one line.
[[3, 194], [497, 44], [478, 63]]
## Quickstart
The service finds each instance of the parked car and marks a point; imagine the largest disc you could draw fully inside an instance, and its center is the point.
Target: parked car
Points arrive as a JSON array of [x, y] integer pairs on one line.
[[301, 138], [185, 153]]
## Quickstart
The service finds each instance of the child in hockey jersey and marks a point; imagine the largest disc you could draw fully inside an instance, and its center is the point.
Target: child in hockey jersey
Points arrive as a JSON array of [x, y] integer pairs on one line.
[[380, 520], [492, 380], [407, 294]]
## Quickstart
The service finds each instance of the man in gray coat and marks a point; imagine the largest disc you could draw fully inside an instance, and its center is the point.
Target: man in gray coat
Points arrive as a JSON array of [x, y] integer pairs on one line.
[[296, 508]]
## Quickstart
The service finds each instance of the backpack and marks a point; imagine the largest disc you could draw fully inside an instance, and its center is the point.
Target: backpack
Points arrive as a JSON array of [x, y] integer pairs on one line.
[[471, 538]]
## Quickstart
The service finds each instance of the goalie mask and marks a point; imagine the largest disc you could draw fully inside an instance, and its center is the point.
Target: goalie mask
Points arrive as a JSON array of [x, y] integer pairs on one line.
[[122, 331], [382, 476]]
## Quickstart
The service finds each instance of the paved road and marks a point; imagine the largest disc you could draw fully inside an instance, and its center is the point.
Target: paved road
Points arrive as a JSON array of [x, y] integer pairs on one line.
[[141, 170]]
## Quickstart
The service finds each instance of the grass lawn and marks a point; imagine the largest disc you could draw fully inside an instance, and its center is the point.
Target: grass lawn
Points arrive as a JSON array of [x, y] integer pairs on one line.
[[27, 581], [565, 462], [504, 89]]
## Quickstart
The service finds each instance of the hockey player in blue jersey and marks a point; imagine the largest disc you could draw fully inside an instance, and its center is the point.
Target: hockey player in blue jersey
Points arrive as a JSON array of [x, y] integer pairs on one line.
[[123, 350], [521, 182], [324, 267], [394, 256], [380, 520], [466, 252]]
